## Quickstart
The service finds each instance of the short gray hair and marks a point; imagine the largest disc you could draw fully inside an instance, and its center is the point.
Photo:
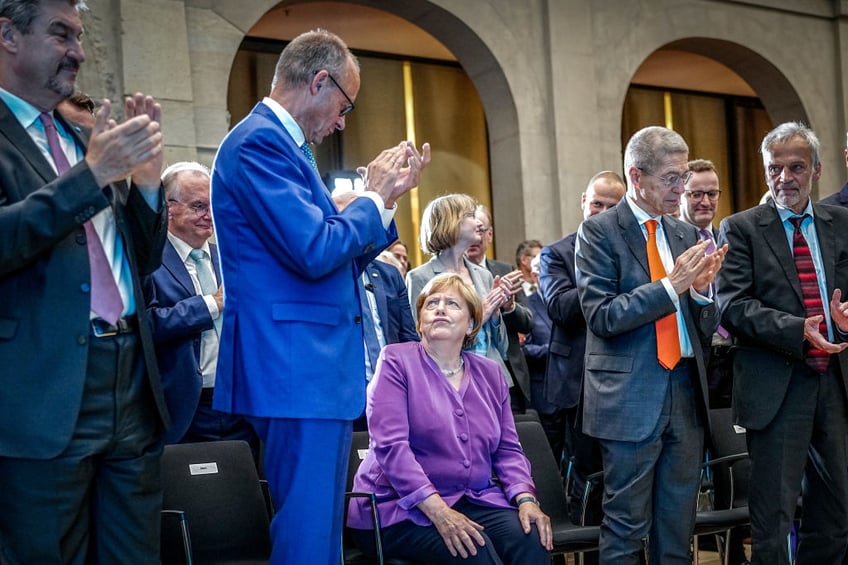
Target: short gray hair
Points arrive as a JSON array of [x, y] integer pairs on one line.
[[169, 176], [307, 54], [649, 146], [23, 12], [788, 131]]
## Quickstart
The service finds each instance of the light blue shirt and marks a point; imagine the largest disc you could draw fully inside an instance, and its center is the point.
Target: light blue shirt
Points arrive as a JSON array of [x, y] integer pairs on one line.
[[668, 263], [103, 221], [808, 228]]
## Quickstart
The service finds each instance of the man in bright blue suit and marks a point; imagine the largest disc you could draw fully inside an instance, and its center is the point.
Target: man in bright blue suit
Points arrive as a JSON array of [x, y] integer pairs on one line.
[[291, 352], [185, 302]]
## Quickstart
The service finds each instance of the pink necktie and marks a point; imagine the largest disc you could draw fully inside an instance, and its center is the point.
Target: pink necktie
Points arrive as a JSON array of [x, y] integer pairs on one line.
[[105, 298]]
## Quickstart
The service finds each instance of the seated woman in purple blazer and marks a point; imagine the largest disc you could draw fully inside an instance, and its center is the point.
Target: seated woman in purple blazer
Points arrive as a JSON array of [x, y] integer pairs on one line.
[[441, 425]]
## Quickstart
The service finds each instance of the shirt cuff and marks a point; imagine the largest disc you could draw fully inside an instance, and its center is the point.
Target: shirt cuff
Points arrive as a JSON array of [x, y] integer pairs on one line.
[[670, 291], [212, 306], [387, 214], [700, 298], [152, 197]]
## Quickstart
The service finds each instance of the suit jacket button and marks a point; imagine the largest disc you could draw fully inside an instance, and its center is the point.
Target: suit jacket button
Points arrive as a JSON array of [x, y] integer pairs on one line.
[[81, 339], [357, 319], [81, 238], [85, 287], [368, 248]]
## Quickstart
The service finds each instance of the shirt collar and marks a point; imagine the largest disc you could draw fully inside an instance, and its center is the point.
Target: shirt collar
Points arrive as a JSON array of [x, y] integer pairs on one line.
[[25, 112], [642, 216], [286, 119], [786, 213], [183, 249]]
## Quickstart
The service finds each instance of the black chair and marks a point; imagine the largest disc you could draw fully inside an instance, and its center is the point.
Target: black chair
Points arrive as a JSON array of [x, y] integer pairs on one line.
[[726, 476], [214, 508], [350, 554], [568, 537]]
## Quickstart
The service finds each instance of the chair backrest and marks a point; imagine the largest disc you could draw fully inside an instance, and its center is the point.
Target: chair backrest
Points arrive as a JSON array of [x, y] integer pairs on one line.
[[217, 486], [358, 449], [728, 439], [544, 470]]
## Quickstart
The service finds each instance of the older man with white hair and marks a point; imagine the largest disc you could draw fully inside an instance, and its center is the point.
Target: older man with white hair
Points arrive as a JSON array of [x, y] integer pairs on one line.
[[185, 301]]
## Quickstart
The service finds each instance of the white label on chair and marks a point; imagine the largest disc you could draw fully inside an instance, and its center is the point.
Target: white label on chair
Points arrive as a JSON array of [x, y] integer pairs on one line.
[[203, 468], [738, 429], [362, 453]]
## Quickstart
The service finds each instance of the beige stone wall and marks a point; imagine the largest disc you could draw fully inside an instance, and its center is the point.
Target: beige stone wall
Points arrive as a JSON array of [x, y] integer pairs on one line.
[[552, 75]]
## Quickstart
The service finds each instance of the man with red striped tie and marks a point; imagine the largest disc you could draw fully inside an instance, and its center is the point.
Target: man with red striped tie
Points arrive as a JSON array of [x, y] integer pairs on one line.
[[780, 294]]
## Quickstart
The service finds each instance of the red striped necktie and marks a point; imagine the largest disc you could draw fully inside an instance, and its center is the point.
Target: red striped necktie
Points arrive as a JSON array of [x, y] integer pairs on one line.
[[817, 359]]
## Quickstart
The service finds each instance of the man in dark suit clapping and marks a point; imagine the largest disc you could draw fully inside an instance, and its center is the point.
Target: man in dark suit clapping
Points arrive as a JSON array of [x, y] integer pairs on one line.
[[780, 295], [81, 409]]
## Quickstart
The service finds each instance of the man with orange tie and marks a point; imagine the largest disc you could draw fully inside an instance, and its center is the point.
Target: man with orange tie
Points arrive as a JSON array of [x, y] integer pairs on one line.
[[780, 296], [644, 284], [81, 408]]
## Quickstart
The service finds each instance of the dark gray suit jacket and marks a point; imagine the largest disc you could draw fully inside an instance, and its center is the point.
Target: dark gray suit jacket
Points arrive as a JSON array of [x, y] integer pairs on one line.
[[44, 282], [761, 303], [624, 385], [520, 320]]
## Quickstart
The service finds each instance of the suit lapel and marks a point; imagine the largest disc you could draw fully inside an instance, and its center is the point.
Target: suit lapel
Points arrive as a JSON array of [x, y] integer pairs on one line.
[[775, 237], [378, 283], [631, 232], [172, 262], [213, 251], [11, 128], [675, 237], [827, 244]]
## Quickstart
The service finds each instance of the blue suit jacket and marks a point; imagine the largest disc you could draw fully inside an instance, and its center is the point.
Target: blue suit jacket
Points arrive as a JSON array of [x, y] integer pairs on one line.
[[536, 346], [292, 342], [837, 198], [624, 386], [179, 316], [564, 373], [392, 303]]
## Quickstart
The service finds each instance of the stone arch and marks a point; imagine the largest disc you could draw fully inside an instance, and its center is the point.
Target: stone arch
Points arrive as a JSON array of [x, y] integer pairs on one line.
[[233, 19], [777, 94]]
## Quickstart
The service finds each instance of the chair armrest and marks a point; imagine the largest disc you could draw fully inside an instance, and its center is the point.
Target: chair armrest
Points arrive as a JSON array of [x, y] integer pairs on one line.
[[725, 459], [375, 518], [180, 516], [592, 481]]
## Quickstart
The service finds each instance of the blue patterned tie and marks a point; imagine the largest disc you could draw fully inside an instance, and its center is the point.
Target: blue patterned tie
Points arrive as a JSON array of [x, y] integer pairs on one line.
[[309, 156], [208, 286]]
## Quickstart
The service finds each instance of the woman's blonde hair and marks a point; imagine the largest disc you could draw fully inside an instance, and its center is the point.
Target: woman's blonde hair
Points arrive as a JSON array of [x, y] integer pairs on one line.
[[441, 221], [452, 281]]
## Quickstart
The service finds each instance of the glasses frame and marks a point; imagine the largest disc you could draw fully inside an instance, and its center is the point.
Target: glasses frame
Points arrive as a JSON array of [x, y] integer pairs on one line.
[[682, 179], [351, 106], [198, 212], [708, 193]]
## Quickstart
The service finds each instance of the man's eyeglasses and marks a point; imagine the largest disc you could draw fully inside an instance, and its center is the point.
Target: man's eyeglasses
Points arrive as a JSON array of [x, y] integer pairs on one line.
[[670, 181], [698, 195], [350, 105], [199, 208]]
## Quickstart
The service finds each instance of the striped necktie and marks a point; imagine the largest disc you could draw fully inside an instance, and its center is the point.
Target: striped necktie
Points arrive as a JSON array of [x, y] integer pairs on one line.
[[817, 359]]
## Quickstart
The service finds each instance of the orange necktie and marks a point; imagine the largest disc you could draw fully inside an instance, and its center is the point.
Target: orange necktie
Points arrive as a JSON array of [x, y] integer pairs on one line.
[[668, 340]]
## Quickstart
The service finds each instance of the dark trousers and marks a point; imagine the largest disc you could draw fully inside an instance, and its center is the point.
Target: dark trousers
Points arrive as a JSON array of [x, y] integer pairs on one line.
[[505, 541], [306, 467], [803, 449], [99, 500], [651, 486], [209, 424]]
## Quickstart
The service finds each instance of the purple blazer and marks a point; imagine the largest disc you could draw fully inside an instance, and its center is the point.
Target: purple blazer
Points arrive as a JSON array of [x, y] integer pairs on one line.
[[428, 438]]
